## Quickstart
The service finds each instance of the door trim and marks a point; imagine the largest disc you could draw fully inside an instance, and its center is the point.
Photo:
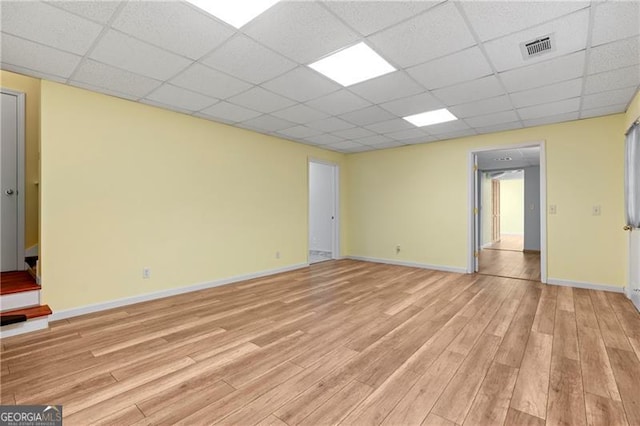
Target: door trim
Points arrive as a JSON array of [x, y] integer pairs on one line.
[[543, 202], [20, 170], [335, 238]]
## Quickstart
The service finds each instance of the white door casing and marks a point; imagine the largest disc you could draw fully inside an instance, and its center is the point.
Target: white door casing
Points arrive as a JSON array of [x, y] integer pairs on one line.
[[333, 211], [634, 267]]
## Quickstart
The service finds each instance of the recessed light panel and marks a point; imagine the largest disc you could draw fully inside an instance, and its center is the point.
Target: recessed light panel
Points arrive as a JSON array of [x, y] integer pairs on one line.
[[431, 117], [353, 65], [235, 13]]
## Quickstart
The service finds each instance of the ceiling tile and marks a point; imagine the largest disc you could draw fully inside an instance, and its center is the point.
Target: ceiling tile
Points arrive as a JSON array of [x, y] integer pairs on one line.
[[484, 106], [491, 19], [230, 112], [414, 133], [210, 82], [551, 119], [338, 102], [448, 127], [491, 119], [60, 29], [373, 140], [355, 133], [544, 73], [261, 100], [324, 139], [486, 87], [468, 64], [361, 148], [368, 17], [107, 77], [248, 60], [330, 124], [385, 145], [299, 132], [412, 104], [300, 114], [165, 106], [123, 51], [173, 25], [612, 97], [96, 10], [387, 87], [301, 84], [546, 94], [456, 134], [390, 126], [369, 115], [615, 20], [554, 108], [345, 145], [498, 127], [181, 98], [418, 141], [606, 110], [615, 55], [302, 31], [27, 54], [268, 123], [610, 80], [438, 32], [570, 36]]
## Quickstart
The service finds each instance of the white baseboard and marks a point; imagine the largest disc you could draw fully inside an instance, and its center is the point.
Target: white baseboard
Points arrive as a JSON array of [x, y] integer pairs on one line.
[[96, 307], [28, 326], [31, 251], [588, 286], [411, 264]]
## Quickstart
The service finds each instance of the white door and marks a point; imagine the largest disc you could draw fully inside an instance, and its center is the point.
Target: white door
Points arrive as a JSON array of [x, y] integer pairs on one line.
[[634, 267], [9, 174], [323, 211], [476, 214]]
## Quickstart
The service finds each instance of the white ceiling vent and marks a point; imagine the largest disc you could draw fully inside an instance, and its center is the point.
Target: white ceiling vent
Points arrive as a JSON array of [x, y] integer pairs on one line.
[[538, 46]]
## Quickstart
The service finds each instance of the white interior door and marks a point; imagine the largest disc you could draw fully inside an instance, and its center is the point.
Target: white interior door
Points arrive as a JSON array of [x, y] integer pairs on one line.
[[634, 267], [476, 214], [9, 196], [323, 210]]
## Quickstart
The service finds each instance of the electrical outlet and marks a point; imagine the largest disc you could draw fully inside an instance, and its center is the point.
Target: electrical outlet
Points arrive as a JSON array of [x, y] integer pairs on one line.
[[277, 255], [553, 209], [596, 210], [398, 249], [146, 273]]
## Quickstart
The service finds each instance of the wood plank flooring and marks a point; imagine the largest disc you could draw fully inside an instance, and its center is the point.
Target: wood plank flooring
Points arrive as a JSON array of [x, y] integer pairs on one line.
[[511, 264], [508, 242], [342, 342]]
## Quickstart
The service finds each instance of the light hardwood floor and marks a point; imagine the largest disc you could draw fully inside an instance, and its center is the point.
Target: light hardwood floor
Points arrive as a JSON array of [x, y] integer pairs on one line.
[[342, 342], [508, 242], [510, 264]]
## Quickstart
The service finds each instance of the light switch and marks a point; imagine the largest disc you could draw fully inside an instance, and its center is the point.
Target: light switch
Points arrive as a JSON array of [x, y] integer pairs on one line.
[[596, 210]]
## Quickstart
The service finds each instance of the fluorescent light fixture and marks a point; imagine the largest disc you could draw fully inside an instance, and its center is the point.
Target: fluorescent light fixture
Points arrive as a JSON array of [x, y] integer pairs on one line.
[[353, 65], [234, 12], [431, 117]]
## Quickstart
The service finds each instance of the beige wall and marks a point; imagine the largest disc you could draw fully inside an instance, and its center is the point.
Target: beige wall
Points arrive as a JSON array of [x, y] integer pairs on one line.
[[128, 186], [512, 206], [633, 112], [31, 88], [416, 196]]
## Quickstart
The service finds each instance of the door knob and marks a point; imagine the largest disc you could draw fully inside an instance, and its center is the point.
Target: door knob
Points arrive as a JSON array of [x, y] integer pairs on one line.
[[9, 192], [627, 228]]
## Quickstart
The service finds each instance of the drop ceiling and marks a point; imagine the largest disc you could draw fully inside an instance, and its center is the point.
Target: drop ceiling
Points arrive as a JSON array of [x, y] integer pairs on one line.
[[460, 55], [508, 159]]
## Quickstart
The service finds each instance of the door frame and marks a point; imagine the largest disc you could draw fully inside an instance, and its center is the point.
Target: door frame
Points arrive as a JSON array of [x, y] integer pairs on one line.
[[471, 181], [20, 170], [335, 228]]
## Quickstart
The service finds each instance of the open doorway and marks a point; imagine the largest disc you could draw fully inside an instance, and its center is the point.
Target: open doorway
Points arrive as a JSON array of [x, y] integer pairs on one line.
[[507, 235], [323, 211]]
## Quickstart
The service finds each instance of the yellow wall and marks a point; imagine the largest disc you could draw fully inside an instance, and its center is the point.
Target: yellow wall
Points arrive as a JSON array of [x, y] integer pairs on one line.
[[416, 196], [127, 186], [512, 206], [486, 218], [31, 88]]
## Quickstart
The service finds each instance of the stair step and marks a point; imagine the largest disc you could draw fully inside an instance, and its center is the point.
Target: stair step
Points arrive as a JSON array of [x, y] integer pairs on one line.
[[17, 282], [32, 312]]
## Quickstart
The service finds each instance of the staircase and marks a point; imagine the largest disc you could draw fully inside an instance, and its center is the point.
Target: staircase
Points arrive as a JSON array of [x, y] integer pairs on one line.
[[20, 308]]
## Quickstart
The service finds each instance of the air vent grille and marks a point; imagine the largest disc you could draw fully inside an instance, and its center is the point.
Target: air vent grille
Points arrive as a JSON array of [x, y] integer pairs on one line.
[[538, 46]]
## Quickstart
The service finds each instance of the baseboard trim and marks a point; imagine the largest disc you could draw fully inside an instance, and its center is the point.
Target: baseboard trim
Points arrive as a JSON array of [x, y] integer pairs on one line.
[[585, 285], [97, 307], [411, 264]]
